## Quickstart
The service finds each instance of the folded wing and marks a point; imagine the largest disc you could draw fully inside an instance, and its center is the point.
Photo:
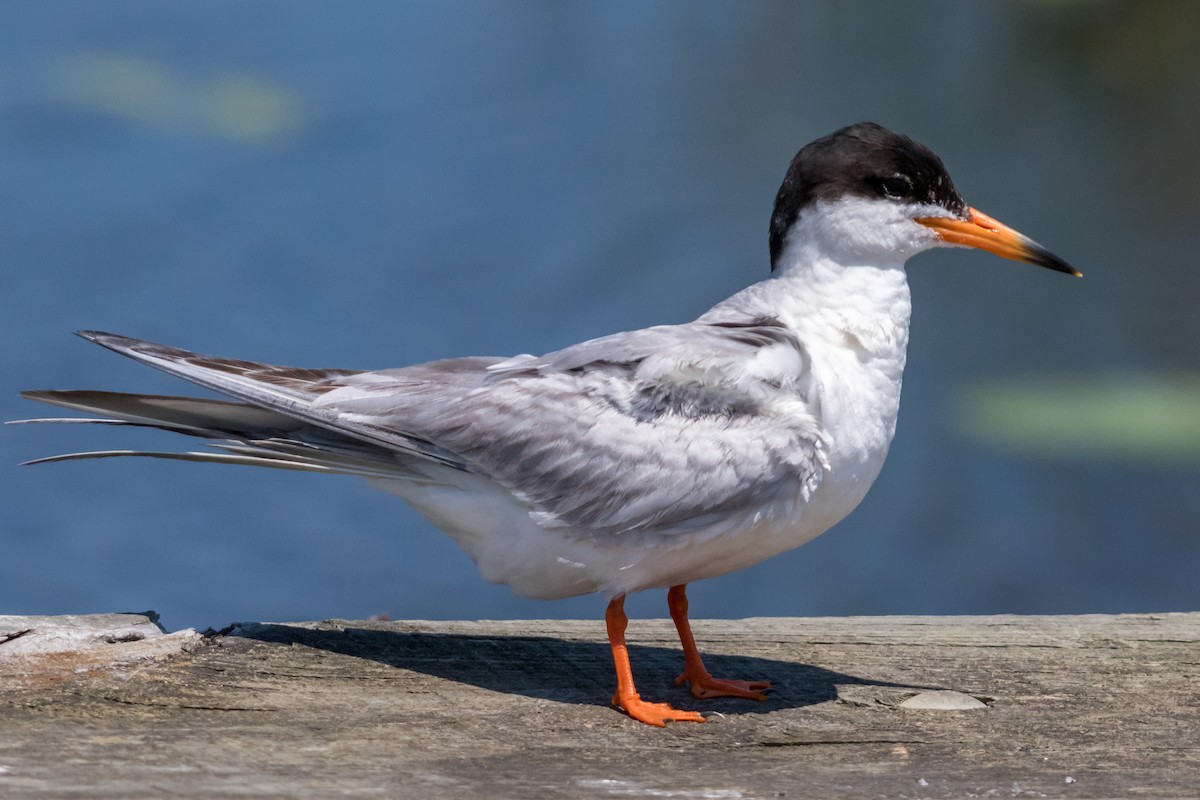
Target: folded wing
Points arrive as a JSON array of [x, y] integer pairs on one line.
[[663, 427], [659, 428]]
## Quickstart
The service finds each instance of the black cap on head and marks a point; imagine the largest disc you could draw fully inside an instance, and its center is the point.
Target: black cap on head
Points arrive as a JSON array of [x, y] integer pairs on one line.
[[863, 160]]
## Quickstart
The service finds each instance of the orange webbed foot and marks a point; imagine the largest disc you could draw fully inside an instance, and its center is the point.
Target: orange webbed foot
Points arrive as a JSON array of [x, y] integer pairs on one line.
[[705, 686], [657, 714]]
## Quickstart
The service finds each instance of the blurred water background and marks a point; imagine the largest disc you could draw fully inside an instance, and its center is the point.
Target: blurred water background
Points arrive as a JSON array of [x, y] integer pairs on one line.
[[372, 184]]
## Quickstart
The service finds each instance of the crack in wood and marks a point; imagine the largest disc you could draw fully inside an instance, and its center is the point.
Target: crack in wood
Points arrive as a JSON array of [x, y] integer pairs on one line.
[[189, 706], [125, 639], [816, 742], [10, 636]]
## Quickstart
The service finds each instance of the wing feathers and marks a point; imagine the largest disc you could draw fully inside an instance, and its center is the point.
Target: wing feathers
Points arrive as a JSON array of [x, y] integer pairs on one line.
[[658, 429]]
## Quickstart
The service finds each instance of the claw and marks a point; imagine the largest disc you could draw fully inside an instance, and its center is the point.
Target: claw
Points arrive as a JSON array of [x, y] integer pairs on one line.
[[705, 686], [657, 714]]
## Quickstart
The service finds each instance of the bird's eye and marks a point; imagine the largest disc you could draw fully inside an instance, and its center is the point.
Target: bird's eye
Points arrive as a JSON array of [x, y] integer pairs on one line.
[[896, 186]]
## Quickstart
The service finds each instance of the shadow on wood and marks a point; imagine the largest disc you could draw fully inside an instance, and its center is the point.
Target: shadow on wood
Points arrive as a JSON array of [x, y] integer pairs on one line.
[[563, 670]]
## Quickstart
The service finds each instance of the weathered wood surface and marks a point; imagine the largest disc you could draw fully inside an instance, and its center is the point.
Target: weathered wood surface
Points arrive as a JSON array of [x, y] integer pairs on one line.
[[1086, 706]]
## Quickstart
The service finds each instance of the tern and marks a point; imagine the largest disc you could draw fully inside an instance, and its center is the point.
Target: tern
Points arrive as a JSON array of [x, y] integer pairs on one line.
[[642, 460]]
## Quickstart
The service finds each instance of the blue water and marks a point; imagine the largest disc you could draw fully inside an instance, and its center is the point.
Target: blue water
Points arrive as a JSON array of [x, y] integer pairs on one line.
[[374, 184]]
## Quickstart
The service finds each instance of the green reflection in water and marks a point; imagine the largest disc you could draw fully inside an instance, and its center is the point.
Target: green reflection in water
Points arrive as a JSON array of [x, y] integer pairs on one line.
[[1145, 417], [237, 105]]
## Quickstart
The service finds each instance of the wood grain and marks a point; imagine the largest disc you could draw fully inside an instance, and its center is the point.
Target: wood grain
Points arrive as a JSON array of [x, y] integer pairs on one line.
[[1074, 706]]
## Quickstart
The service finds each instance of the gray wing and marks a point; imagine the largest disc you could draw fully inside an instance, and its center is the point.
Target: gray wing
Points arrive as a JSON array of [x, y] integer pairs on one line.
[[694, 343], [661, 427]]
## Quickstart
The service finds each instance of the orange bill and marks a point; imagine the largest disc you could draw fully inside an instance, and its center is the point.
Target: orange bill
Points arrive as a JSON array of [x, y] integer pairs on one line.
[[981, 231]]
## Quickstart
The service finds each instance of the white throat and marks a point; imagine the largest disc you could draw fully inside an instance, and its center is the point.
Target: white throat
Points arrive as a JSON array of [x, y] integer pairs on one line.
[[855, 231]]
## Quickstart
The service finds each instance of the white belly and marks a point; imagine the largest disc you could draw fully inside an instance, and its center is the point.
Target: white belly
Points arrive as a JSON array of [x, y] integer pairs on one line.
[[510, 548]]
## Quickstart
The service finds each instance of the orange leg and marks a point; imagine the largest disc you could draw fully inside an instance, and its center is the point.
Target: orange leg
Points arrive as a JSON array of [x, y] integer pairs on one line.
[[703, 684], [627, 697]]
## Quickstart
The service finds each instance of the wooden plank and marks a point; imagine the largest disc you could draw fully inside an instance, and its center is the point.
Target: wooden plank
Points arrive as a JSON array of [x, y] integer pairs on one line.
[[1073, 706]]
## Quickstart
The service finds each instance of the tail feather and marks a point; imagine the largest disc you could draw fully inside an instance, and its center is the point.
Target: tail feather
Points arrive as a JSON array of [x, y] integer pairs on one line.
[[251, 436], [288, 391], [209, 458], [272, 420], [192, 415]]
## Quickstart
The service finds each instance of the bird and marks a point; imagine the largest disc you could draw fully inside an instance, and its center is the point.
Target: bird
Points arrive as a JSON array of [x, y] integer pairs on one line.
[[648, 459]]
